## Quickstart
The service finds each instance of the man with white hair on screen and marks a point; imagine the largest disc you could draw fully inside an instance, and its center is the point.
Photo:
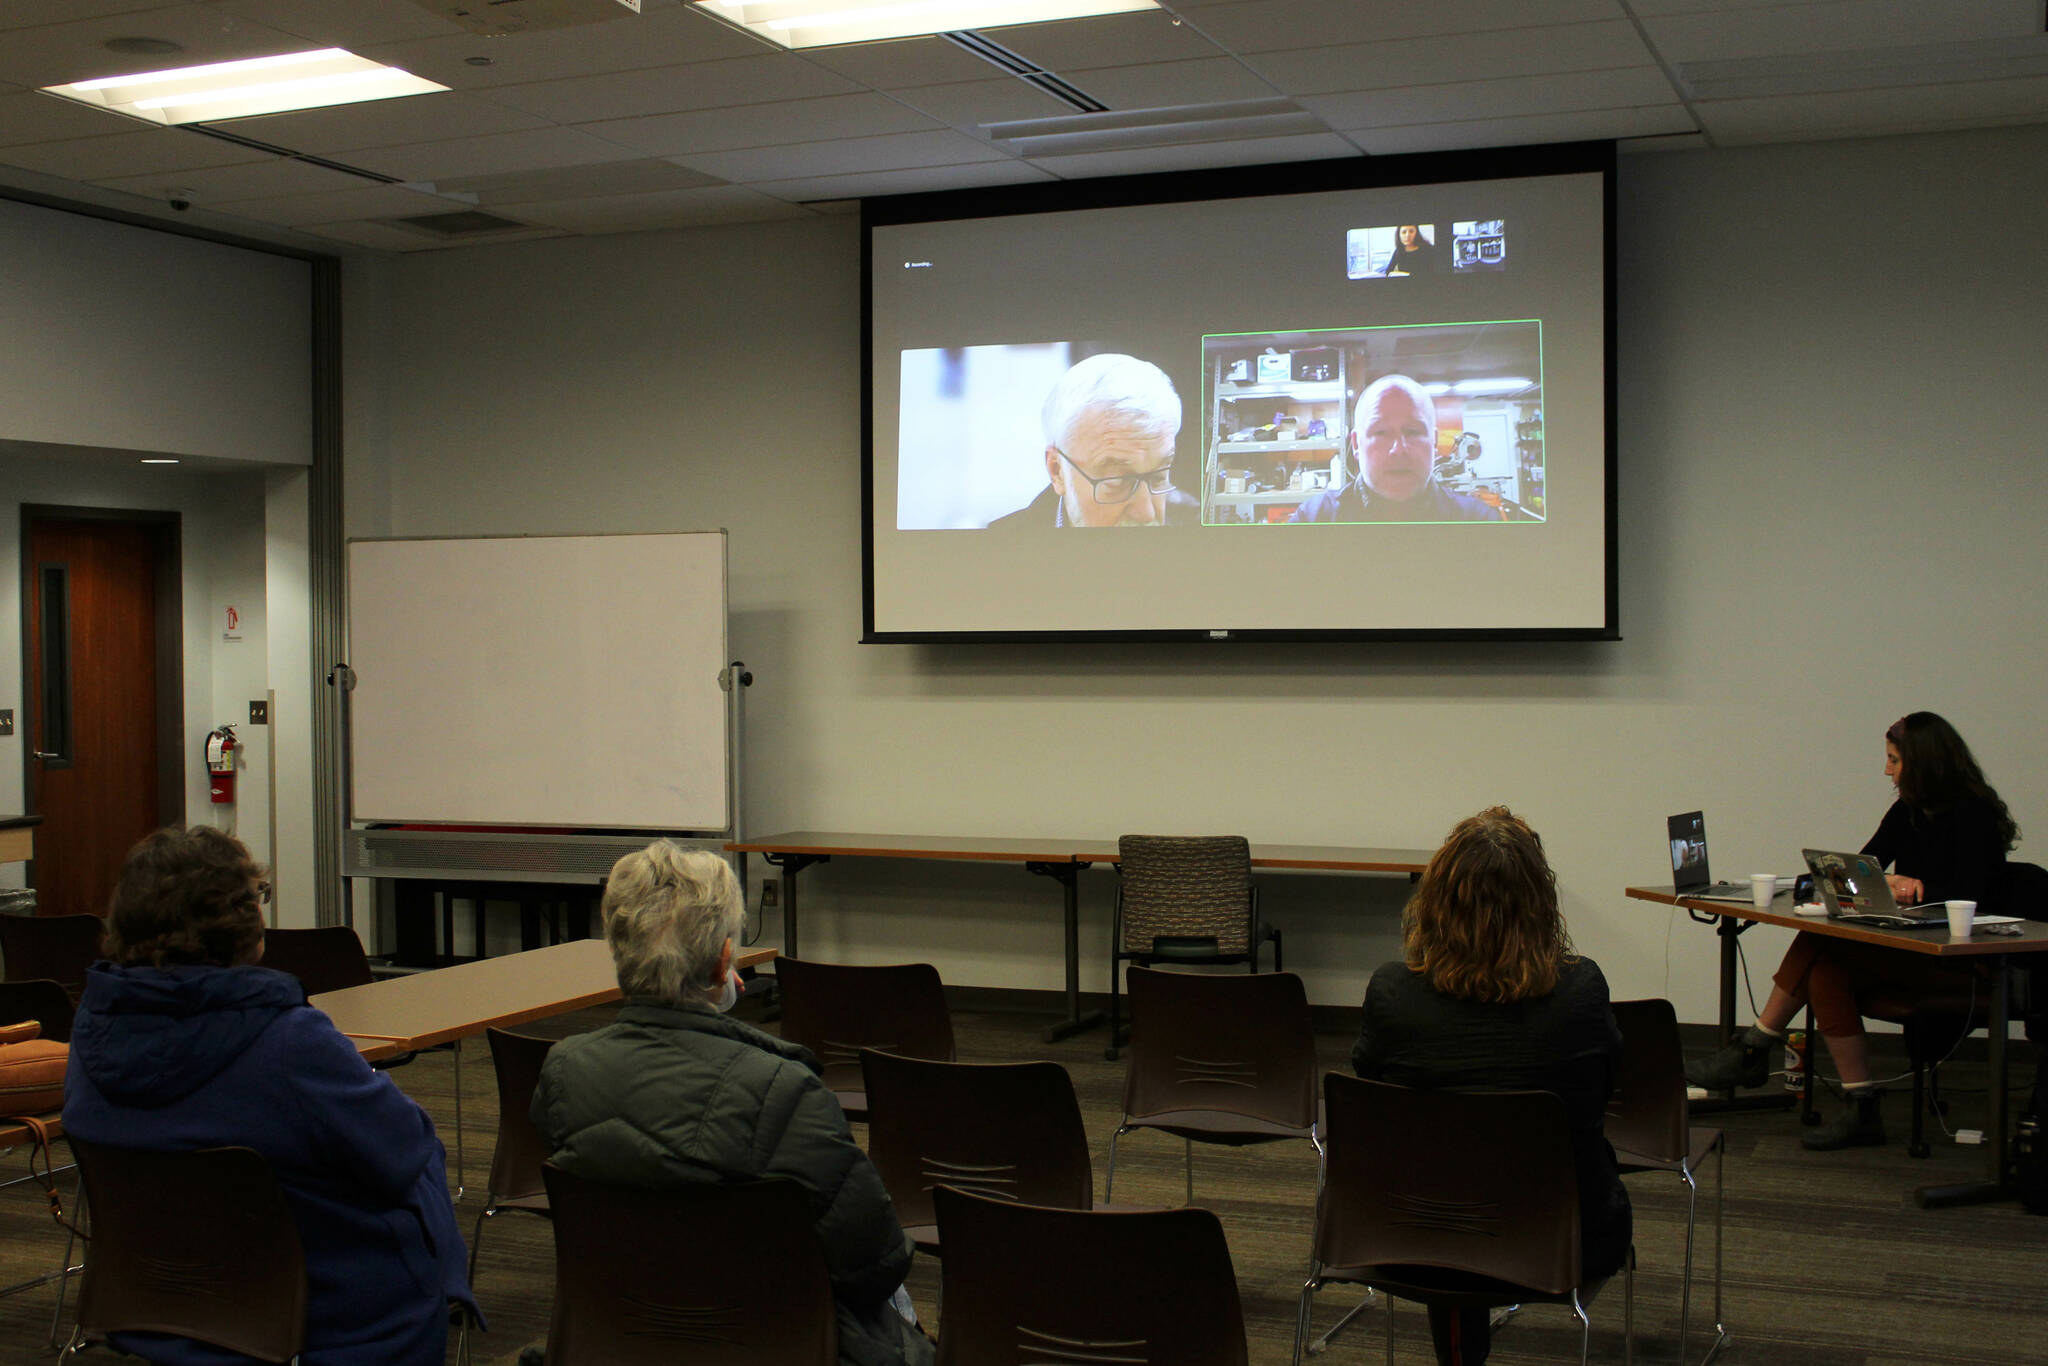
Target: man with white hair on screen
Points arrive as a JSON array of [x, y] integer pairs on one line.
[[1109, 426], [1393, 459]]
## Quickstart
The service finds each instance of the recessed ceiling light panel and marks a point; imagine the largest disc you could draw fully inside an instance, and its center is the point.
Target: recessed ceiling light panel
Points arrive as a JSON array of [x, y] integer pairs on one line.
[[826, 23], [256, 85]]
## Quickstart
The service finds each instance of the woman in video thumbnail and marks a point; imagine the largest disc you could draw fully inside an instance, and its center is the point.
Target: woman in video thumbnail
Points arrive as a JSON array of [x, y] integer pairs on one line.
[[1414, 253], [1491, 997], [1944, 837]]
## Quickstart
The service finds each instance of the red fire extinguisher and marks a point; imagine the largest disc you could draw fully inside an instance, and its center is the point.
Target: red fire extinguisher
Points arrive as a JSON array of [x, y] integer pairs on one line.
[[220, 765]]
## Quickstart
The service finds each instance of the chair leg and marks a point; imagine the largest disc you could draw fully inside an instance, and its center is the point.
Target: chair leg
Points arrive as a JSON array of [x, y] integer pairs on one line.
[[1278, 965], [1109, 1181], [1390, 1330], [1191, 1170], [1720, 1202], [1628, 1309], [1585, 1331], [64, 1268], [1116, 1002], [1371, 1298], [461, 1162], [1304, 1306], [1692, 1207]]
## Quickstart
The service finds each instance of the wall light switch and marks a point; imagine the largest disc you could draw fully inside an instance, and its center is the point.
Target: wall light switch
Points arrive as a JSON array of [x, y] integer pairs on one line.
[[259, 713], [6, 721]]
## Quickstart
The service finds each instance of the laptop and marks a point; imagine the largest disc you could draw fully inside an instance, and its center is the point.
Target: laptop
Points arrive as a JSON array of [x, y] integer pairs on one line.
[[1689, 875], [1853, 888]]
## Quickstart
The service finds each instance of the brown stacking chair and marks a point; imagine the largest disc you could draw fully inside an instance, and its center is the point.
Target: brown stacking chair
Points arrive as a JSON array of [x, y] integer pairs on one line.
[[41, 1000], [1023, 1284], [1218, 1059], [196, 1244], [836, 1010], [324, 959], [1009, 1131], [1649, 1122], [515, 1183], [1458, 1199], [59, 947], [17, 1137], [716, 1275], [1183, 899]]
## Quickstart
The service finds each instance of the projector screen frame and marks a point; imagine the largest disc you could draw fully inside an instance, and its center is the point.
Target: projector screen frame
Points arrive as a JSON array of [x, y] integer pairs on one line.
[[1305, 177]]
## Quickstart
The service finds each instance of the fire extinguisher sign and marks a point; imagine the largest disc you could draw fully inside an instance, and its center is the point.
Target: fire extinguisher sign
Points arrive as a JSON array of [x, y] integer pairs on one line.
[[231, 622]]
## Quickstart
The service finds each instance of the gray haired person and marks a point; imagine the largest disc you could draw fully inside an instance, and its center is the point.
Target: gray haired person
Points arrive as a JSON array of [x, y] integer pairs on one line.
[[676, 1090]]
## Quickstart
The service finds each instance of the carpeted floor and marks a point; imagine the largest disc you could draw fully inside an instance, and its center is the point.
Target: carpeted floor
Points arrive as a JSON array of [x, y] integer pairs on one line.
[[1829, 1263]]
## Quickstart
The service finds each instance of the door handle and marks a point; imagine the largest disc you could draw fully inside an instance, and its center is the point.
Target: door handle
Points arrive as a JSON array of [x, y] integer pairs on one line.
[[43, 755]]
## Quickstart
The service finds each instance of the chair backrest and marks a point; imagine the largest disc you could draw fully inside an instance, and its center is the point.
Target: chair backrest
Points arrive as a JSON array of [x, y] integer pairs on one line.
[[197, 1244], [836, 1010], [716, 1275], [2022, 890], [1024, 1284], [41, 1000], [59, 947], [1240, 1043], [1648, 1113], [515, 1167], [1185, 887], [1478, 1182], [1010, 1131], [324, 959]]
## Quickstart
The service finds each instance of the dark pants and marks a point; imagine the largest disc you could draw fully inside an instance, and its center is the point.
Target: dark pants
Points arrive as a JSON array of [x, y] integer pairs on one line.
[[1462, 1336]]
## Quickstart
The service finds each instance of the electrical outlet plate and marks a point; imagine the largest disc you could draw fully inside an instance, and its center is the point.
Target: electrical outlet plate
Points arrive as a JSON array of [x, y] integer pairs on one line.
[[259, 713], [771, 894], [6, 720]]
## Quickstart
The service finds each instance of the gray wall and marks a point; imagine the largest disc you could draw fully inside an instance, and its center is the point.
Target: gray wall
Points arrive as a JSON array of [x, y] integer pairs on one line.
[[1831, 429]]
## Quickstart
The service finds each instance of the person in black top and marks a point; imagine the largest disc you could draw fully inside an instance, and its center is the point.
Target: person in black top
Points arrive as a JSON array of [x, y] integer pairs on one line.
[[1491, 997], [1944, 838]]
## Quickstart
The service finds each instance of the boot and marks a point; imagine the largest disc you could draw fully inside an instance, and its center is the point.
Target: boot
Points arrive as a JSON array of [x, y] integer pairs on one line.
[[1858, 1126], [1744, 1060]]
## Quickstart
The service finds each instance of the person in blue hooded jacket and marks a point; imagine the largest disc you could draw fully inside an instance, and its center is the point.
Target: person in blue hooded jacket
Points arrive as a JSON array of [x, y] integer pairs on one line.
[[183, 1041]]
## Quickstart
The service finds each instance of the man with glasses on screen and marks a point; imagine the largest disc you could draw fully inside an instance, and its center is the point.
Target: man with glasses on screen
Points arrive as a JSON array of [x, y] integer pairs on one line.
[[1393, 454], [1110, 424]]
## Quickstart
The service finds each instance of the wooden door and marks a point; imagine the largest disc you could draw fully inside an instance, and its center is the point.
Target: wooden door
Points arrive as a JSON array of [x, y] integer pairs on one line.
[[92, 703]]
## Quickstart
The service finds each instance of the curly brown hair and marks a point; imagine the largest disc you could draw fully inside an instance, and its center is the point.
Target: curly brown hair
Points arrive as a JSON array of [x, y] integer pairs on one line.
[[187, 894], [1484, 923]]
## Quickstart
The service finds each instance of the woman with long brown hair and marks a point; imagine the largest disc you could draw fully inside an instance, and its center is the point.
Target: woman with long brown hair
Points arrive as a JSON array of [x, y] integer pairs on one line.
[[1944, 837], [1491, 997]]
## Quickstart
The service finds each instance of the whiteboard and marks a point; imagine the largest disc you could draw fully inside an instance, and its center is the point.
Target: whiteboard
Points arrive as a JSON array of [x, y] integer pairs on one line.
[[540, 680]]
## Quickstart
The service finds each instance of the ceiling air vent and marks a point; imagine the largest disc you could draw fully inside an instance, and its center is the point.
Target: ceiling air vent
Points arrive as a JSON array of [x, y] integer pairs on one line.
[[460, 223]]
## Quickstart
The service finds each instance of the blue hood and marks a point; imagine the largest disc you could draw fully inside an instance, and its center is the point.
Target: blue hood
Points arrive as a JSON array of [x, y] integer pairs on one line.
[[148, 1037]]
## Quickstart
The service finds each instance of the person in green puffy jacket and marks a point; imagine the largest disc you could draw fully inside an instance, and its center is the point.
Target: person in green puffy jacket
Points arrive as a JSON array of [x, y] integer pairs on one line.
[[677, 1091]]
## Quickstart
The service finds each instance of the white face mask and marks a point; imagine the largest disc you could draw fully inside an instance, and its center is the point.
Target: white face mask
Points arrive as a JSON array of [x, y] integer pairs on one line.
[[730, 996]]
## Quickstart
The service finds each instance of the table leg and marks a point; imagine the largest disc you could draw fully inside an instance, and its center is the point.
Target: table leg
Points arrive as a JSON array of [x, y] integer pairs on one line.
[[1728, 929], [789, 866], [1994, 1186], [1068, 875]]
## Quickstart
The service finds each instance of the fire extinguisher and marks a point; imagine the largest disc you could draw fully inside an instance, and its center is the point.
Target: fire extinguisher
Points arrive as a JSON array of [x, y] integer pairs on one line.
[[220, 765]]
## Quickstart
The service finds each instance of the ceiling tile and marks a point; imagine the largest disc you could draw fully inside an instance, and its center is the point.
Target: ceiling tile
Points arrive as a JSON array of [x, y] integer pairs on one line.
[[60, 53], [665, 38], [1592, 125], [354, 25], [35, 117], [764, 125], [1174, 83], [265, 179], [1110, 40], [148, 151], [1860, 113], [903, 63], [370, 201], [1265, 25], [33, 13], [1515, 98], [673, 89], [1199, 156], [970, 104], [1468, 57], [382, 123], [662, 209], [499, 152], [1839, 27], [981, 175], [842, 156]]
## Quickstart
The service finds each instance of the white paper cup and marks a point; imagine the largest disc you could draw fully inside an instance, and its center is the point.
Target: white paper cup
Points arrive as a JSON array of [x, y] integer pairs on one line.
[[1762, 887], [1960, 916]]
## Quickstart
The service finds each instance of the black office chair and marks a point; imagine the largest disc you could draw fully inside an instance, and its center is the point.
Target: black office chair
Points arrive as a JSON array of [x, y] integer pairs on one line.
[[1183, 899]]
